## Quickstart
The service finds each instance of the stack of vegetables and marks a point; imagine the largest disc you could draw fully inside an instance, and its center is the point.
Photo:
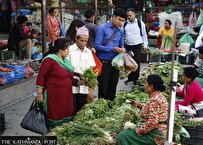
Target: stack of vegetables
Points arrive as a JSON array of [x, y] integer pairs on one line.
[[100, 122]]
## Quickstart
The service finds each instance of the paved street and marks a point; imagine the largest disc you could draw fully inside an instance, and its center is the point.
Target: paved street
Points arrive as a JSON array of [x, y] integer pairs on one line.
[[15, 113]]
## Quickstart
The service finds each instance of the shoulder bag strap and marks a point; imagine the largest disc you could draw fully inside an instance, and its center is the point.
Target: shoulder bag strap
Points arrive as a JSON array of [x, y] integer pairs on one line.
[[108, 40], [140, 26]]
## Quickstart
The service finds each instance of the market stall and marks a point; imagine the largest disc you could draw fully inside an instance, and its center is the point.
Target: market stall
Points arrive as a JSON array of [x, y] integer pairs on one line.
[[101, 121]]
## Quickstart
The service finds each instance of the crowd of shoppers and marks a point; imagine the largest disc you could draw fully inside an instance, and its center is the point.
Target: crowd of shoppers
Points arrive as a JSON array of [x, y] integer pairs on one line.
[[62, 68]]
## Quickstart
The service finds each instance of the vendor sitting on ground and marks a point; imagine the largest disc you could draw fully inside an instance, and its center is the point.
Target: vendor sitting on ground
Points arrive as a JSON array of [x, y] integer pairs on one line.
[[191, 92], [199, 66], [154, 116], [167, 30], [18, 39]]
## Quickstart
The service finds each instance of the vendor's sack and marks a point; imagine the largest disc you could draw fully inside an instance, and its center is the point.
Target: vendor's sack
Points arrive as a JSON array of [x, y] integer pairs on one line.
[[19, 71], [29, 72], [8, 76]]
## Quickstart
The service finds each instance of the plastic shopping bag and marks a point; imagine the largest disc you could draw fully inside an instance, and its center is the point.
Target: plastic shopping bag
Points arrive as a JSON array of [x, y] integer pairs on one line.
[[130, 63], [118, 61], [35, 120], [186, 38], [200, 18], [192, 20], [29, 72], [98, 67]]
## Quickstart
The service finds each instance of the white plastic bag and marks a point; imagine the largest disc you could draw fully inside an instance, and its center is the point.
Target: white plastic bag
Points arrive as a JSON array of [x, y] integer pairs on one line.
[[130, 64], [118, 61]]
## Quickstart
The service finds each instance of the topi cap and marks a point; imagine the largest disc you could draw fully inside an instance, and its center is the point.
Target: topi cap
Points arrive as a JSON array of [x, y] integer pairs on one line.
[[82, 31]]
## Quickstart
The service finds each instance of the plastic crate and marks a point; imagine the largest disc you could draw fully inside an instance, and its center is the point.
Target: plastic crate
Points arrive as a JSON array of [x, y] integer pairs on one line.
[[5, 55], [196, 136]]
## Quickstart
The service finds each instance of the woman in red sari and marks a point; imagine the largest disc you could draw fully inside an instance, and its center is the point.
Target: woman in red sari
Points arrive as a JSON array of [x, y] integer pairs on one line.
[[54, 84]]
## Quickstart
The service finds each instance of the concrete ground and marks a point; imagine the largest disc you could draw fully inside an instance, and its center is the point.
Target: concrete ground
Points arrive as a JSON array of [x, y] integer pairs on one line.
[[15, 113]]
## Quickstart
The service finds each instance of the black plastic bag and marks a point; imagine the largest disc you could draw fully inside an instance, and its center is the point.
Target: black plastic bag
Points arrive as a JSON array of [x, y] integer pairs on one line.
[[35, 120], [200, 113]]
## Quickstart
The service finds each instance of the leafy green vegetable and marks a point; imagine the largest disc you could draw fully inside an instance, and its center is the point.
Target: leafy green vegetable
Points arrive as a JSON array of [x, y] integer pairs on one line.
[[92, 111], [156, 51], [110, 116], [90, 78], [123, 74]]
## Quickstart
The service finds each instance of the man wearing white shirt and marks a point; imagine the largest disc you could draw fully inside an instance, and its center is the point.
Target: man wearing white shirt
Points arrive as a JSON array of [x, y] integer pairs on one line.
[[81, 58], [135, 38]]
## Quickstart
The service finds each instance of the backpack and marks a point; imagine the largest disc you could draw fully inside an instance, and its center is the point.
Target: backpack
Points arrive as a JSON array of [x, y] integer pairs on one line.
[[139, 25]]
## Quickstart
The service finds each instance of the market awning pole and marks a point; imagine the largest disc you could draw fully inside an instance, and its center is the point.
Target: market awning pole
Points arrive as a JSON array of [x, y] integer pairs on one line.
[[60, 11], [96, 11], [43, 26], [174, 77]]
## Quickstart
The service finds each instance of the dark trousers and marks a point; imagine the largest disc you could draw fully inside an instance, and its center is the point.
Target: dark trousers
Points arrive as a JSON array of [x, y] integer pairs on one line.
[[79, 100], [108, 81], [136, 49]]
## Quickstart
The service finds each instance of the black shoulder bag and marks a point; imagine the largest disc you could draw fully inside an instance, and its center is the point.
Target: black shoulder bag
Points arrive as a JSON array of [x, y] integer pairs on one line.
[[199, 113]]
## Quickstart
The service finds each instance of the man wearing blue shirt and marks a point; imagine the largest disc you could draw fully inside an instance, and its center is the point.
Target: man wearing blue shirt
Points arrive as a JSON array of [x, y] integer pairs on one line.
[[109, 42]]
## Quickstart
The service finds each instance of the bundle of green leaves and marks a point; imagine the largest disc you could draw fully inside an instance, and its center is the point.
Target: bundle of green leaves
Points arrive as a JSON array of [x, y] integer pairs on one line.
[[90, 78]]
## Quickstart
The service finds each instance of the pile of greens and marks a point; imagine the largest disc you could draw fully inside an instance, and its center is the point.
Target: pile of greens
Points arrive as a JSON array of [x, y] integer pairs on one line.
[[156, 51], [164, 70], [100, 122]]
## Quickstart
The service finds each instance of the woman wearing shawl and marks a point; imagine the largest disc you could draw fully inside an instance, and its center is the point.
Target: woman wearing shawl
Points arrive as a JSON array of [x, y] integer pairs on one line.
[[54, 84]]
